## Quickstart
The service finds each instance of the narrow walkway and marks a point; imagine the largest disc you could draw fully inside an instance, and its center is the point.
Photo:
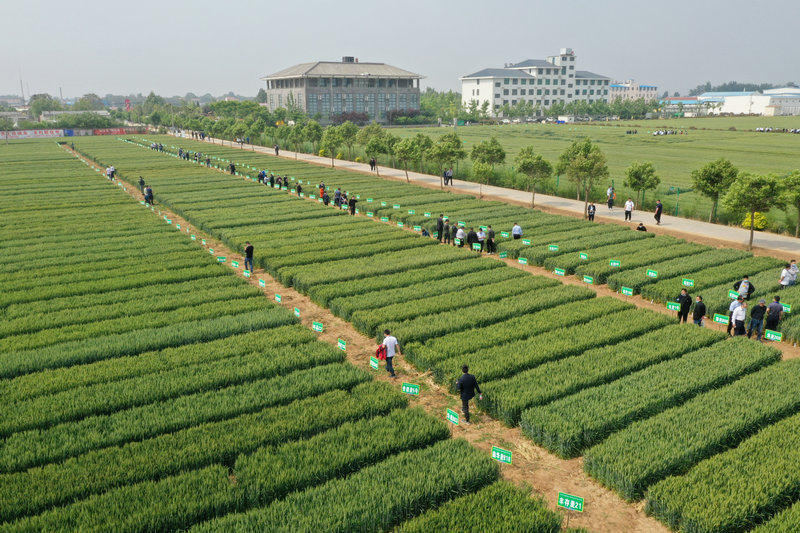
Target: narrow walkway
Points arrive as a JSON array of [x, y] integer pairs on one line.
[[764, 243]]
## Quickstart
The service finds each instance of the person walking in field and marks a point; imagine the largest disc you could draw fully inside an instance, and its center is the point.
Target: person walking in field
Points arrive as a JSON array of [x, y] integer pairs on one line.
[[141, 184], [446, 231], [774, 313], [686, 303], [490, 248], [232, 168], [516, 231], [352, 204], [757, 319], [786, 276], [738, 318], [699, 311], [299, 189], [467, 384], [337, 197], [454, 229], [793, 271], [744, 287], [659, 210], [731, 308], [628, 209], [326, 199], [590, 211], [440, 226], [148, 195], [248, 256], [392, 348]]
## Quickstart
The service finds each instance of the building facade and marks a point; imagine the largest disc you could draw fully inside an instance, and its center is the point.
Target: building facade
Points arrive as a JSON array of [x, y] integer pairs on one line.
[[542, 82], [327, 88], [627, 90]]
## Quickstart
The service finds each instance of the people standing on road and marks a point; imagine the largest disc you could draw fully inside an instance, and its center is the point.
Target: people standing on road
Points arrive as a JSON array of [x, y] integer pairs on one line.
[[744, 287], [440, 226], [739, 316], [490, 248], [686, 303], [516, 231], [277, 149], [590, 211], [786, 276], [628, 209], [352, 204], [774, 313], [659, 210], [481, 238], [467, 385], [611, 196], [472, 238], [392, 347], [641, 227], [461, 236], [731, 308], [699, 311], [148, 195], [454, 233], [141, 184], [757, 319], [248, 256]]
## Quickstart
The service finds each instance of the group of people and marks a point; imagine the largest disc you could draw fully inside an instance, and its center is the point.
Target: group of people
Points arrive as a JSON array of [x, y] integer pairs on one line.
[[762, 316], [668, 132], [456, 235], [447, 175], [111, 172], [199, 135], [373, 164], [778, 130], [611, 196], [158, 147]]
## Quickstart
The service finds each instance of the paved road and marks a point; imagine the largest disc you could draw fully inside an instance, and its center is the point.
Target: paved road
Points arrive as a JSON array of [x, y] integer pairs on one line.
[[781, 245]]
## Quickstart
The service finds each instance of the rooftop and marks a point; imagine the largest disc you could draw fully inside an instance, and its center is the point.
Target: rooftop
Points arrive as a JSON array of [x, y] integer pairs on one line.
[[337, 68], [587, 74], [499, 73], [528, 63]]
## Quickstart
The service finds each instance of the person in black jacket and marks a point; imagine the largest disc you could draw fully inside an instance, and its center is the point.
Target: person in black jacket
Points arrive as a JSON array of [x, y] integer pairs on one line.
[[699, 311], [352, 204], [440, 227], [472, 238], [490, 247], [467, 384], [453, 232], [757, 319], [744, 287], [686, 303], [446, 231]]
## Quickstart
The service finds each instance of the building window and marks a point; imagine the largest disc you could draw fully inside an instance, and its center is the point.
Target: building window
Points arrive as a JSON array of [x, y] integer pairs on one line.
[[505, 92], [572, 58], [539, 81], [515, 81], [547, 102], [336, 82], [402, 101], [539, 92], [359, 103], [523, 81], [513, 102], [312, 82], [497, 95], [371, 83], [530, 91], [563, 70], [547, 91], [392, 83], [514, 92], [497, 84], [539, 71], [348, 82], [572, 67], [477, 82], [478, 92], [569, 86], [505, 102], [381, 83], [402, 83], [505, 81], [324, 82]]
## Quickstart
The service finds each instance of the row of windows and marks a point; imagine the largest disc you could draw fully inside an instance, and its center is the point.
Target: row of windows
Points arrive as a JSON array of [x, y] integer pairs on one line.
[[362, 82], [374, 105], [546, 92]]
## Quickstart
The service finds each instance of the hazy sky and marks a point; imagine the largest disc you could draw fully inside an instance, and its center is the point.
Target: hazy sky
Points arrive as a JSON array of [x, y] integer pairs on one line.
[[177, 46]]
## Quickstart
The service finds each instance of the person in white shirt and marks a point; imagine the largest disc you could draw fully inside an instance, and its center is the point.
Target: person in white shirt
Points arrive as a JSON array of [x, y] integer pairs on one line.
[[739, 316], [461, 235], [737, 303], [786, 276], [481, 238], [392, 347], [793, 271], [628, 209], [516, 231]]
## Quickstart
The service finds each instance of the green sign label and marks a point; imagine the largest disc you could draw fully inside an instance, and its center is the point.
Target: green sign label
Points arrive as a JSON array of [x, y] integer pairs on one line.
[[652, 273], [502, 255], [614, 263], [302, 195], [504, 234], [278, 298], [773, 335], [721, 319], [383, 204], [588, 279], [369, 200], [357, 211], [457, 241], [427, 215], [673, 306], [369, 213], [178, 226], [559, 272], [412, 212], [262, 283], [384, 219], [417, 228], [312, 197], [526, 242], [627, 291], [373, 362], [523, 260], [297, 312], [221, 259], [687, 282], [235, 264], [204, 242], [568, 501], [484, 228], [342, 345], [293, 191], [452, 416], [194, 238], [733, 294], [410, 388], [400, 224], [787, 308], [499, 454], [246, 273], [396, 206], [317, 326], [476, 246], [551, 247], [584, 256]]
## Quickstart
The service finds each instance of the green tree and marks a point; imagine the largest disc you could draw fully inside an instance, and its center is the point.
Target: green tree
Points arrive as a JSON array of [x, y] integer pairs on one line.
[[753, 192], [89, 102], [534, 166], [483, 173], [641, 177], [296, 137], [368, 132], [408, 151], [313, 133], [331, 141], [713, 179], [375, 147], [583, 163], [349, 132], [42, 102], [791, 187], [424, 142], [489, 152], [261, 96], [445, 152]]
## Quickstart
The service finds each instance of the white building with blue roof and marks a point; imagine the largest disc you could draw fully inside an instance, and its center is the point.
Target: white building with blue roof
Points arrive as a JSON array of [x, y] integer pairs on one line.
[[542, 82], [772, 102]]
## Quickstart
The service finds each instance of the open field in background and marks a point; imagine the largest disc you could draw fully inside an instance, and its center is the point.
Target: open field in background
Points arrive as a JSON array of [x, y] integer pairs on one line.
[[674, 157]]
